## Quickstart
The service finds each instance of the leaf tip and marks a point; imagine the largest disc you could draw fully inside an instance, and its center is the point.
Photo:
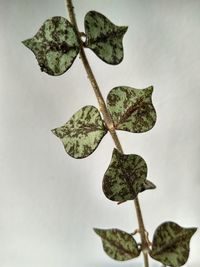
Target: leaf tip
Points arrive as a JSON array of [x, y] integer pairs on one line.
[[150, 88], [97, 231], [54, 131], [25, 42], [193, 230], [149, 185], [124, 29]]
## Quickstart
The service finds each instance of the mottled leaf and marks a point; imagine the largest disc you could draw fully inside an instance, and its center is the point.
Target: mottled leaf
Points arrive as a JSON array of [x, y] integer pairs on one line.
[[125, 177], [132, 109], [118, 244], [104, 38], [55, 45], [171, 244], [82, 133]]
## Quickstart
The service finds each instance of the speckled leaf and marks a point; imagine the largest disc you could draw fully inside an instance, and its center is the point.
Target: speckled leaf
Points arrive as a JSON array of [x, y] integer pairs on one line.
[[104, 38], [132, 109], [82, 133], [55, 46], [125, 177], [171, 244], [118, 244]]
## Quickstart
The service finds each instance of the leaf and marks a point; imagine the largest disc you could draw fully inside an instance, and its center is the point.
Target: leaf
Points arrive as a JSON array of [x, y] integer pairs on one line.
[[171, 244], [104, 38], [125, 177], [118, 244], [132, 109], [55, 46], [82, 133]]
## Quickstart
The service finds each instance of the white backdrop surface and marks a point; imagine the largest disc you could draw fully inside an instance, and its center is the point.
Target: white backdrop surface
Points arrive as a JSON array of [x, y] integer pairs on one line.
[[50, 202]]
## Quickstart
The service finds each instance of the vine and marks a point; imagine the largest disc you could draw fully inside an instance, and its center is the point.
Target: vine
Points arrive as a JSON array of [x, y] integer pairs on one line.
[[56, 46]]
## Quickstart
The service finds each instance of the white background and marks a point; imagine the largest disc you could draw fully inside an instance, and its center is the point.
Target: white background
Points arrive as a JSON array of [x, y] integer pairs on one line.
[[50, 202]]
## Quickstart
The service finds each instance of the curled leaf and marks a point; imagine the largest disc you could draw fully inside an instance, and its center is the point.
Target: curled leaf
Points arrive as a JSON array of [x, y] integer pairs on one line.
[[55, 45], [82, 133], [125, 177], [104, 38], [131, 109], [171, 244], [118, 244]]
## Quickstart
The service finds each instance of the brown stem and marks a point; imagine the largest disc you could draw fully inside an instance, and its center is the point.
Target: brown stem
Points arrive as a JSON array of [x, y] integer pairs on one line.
[[144, 241], [109, 123]]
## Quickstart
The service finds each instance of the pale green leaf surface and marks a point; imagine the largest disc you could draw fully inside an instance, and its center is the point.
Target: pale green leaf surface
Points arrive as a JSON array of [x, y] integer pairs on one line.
[[171, 244], [125, 177], [82, 133], [104, 38], [131, 109], [118, 244], [55, 46]]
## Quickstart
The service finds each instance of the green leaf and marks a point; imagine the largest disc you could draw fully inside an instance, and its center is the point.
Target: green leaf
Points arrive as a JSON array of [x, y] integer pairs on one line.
[[55, 46], [82, 133], [118, 244], [104, 38], [171, 244], [125, 177], [132, 109]]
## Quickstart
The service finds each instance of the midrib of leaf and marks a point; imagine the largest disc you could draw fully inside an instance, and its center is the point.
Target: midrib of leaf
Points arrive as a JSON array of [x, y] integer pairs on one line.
[[130, 111], [63, 47], [118, 246], [104, 37], [127, 179], [87, 129], [169, 245]]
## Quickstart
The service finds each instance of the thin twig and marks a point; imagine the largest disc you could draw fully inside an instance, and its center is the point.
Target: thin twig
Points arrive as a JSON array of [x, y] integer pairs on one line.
[[109, 124]]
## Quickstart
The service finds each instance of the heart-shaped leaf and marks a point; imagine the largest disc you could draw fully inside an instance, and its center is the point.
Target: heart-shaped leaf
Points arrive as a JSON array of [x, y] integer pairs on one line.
[[125, 177], [55, 45], [132, 109], [104, 38], [171, 244], [82, 133], [118, 244]]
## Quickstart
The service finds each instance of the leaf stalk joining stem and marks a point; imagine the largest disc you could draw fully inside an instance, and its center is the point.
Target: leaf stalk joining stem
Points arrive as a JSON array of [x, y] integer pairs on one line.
[[109, 124]]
